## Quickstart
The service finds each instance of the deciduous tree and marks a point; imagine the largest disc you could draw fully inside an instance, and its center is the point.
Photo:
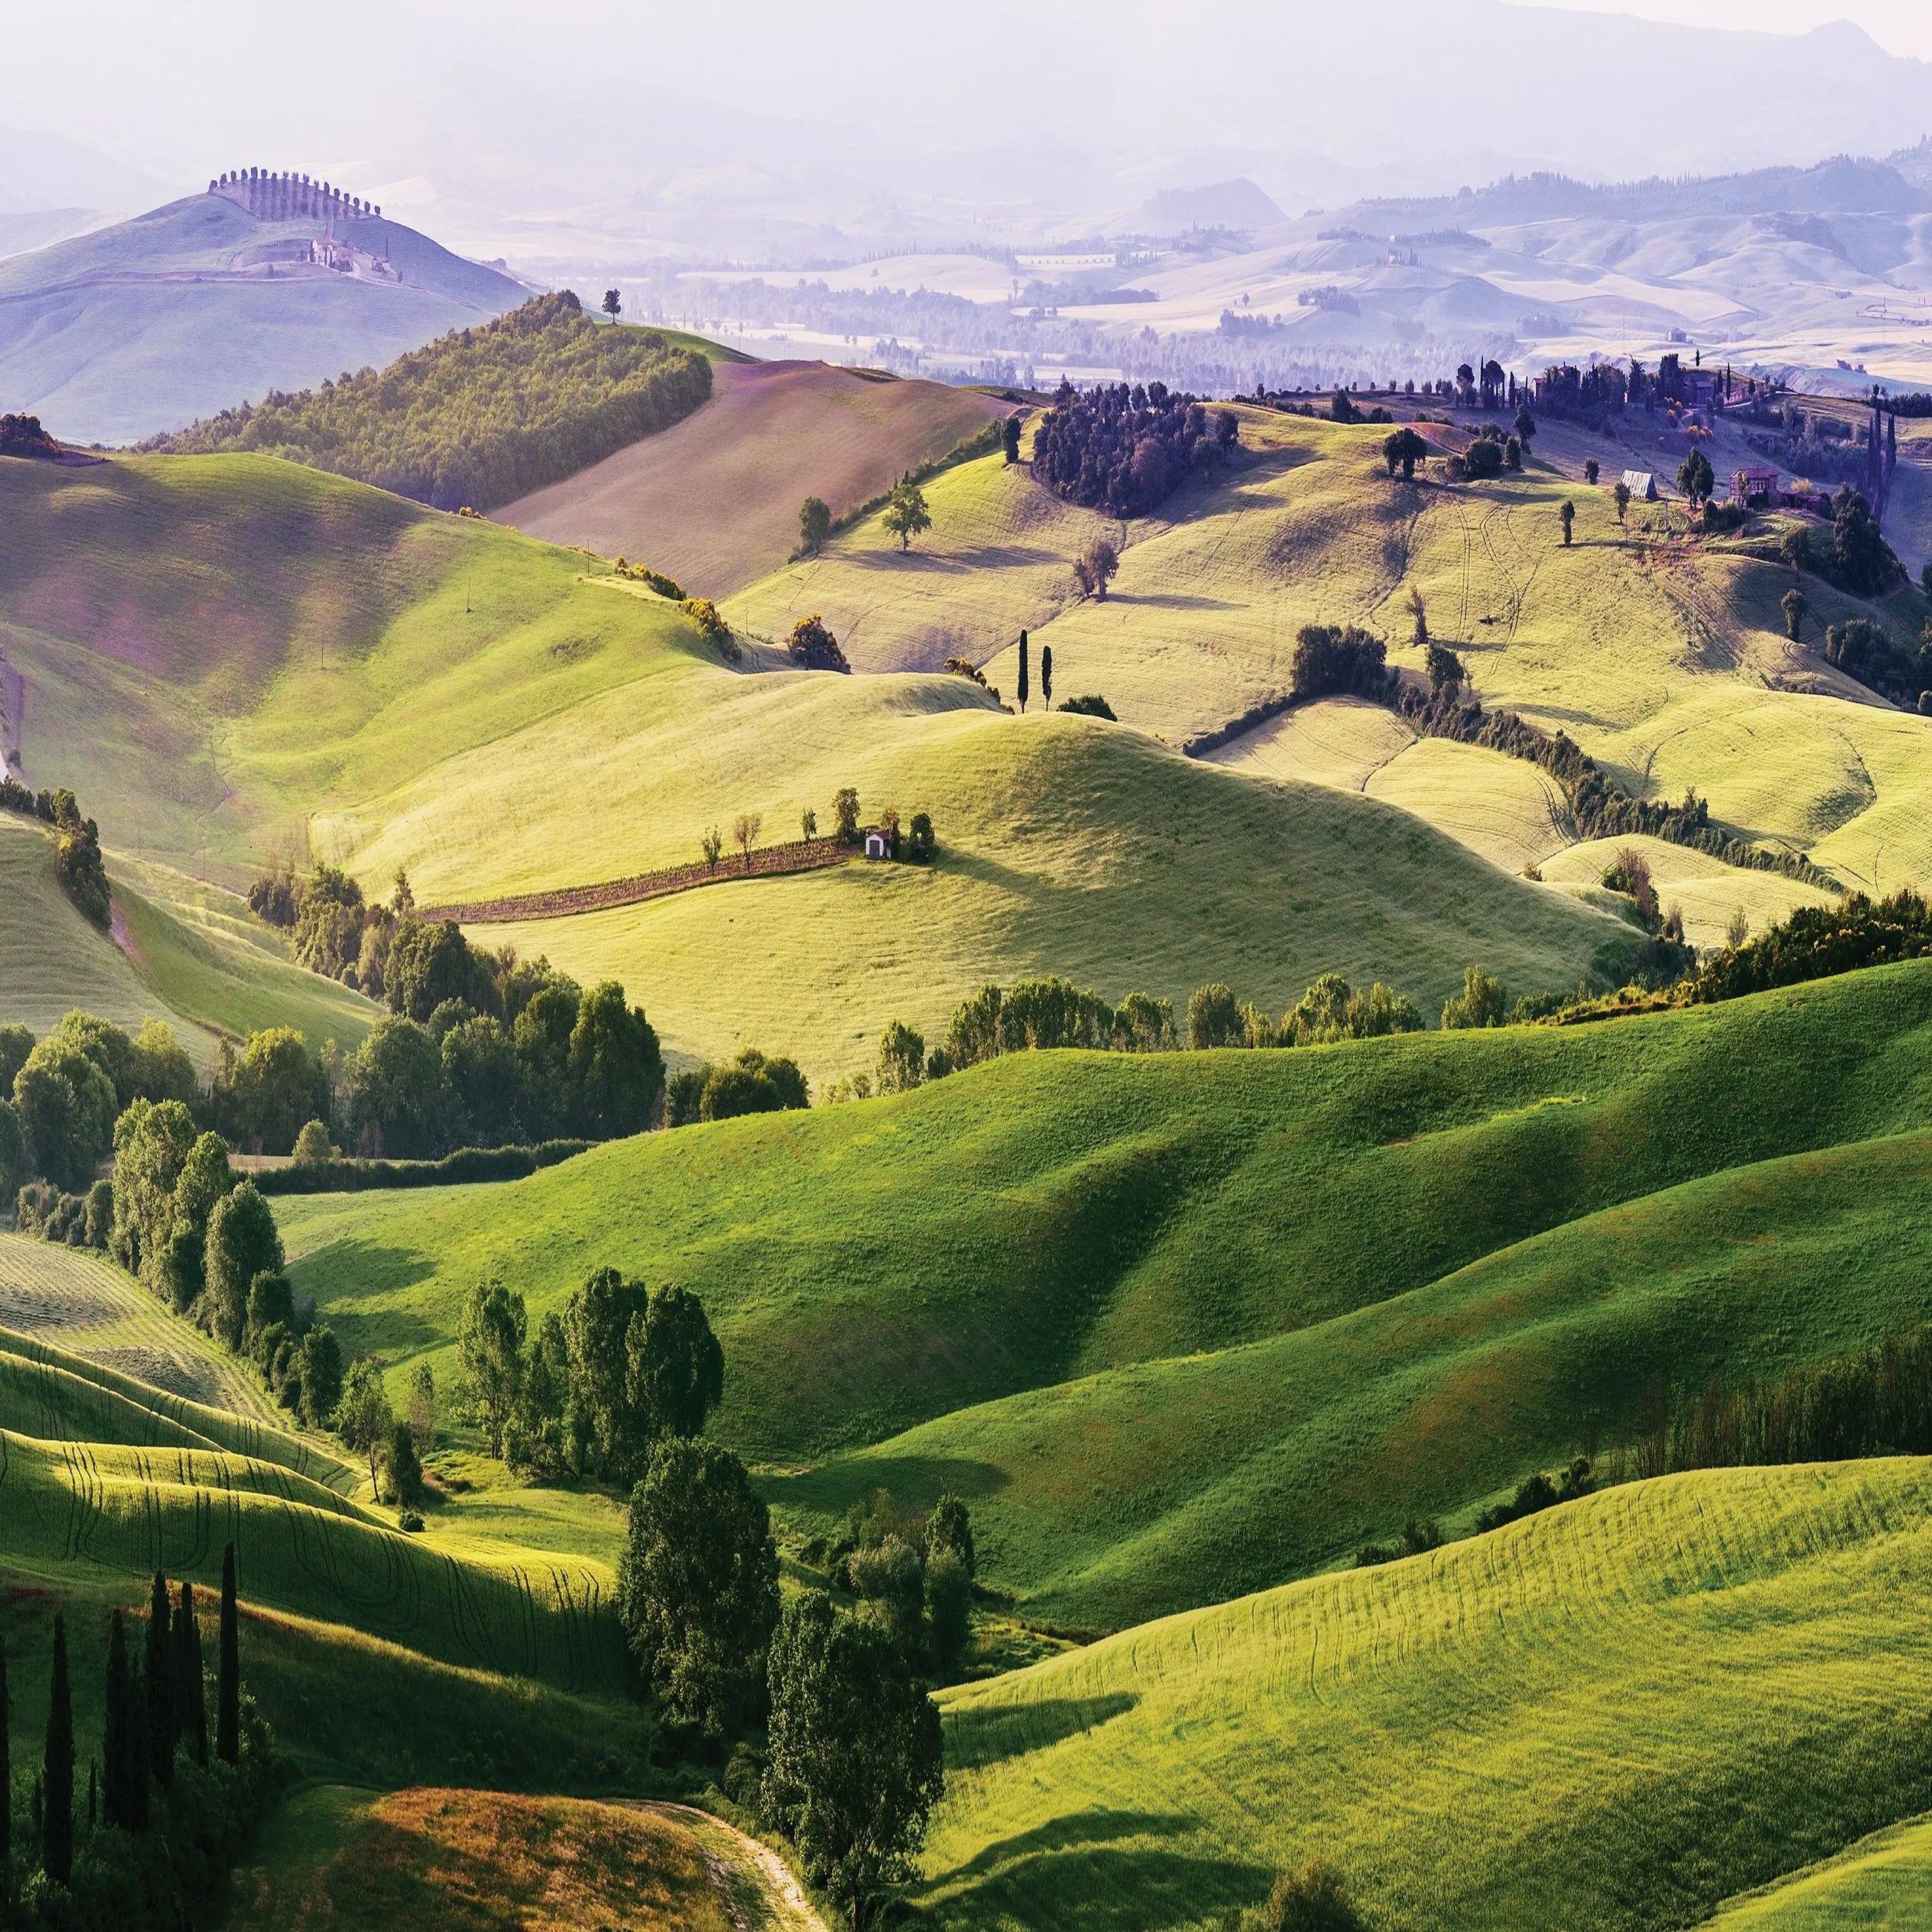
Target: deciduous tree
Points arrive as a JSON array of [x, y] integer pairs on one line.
[[906, 514], [815, 525]]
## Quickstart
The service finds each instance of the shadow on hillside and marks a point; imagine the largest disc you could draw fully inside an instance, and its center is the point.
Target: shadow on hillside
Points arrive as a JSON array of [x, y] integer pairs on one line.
[[923, 1480], [977, 1738], [1103, 1889], [989, 556], [345, 1276], [1170, 600]]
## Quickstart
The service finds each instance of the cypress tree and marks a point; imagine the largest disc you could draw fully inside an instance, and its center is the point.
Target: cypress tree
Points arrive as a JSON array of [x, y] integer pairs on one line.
[[1046, 675], [191, 1694], [114, 1747], [1023, 671], [228, 1683], [57, 1768], [160, 1677], [139, 1750], [6, 1782]]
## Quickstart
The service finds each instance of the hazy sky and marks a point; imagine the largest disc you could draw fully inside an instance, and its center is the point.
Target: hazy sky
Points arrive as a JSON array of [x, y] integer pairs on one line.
[[1899, 26]]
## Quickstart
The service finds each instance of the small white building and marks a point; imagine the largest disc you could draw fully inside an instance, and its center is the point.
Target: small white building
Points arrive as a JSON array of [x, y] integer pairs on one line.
[[1642, 484], [877, 845]]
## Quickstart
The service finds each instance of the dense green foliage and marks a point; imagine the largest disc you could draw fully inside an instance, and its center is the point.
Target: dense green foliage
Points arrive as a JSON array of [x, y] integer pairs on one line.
[[479, 417], [1125, 451], [77, 864]]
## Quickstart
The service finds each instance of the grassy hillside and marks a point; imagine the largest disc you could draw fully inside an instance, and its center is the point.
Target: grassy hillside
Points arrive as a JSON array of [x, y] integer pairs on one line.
[[1883, 1882], [83, 1306], [1051, 1216], [1616, 1714], [485, 1861], [148, 324], [1105, 1501], [713, 502]]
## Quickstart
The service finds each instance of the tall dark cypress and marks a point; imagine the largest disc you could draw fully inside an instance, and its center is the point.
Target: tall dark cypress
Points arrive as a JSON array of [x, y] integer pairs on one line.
[[159, 1676], [138, 1753], [1046, 675], [57, 1768], [1023, 671], [6, 1781], [118, 1805], [228, 1683], [191, 1694]]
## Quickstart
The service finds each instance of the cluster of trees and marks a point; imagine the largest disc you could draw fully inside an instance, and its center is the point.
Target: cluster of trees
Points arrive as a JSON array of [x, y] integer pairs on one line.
[[481, 416], [1629, 871], [1858, 560], [1330, 660], [1877, 1402], [165, 1815], [1814, 942], [812, 647], [750, 1082], [912, 1573], [618, 1383], [77, 860], [22, 436], [1121, 450], [1539, 1492], [1329, 1010], [482, 1048]]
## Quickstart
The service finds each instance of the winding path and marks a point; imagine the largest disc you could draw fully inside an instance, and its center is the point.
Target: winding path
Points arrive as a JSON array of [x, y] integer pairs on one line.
[[783, 1903]]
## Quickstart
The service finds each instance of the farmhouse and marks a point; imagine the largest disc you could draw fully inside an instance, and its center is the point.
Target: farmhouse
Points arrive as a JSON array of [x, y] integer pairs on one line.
[[1755, 488], [1641, 485], [877, 845]]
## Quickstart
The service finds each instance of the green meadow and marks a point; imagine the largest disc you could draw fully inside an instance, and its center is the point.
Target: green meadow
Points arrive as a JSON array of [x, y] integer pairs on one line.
[[1379, 1267], [1617, 1713]]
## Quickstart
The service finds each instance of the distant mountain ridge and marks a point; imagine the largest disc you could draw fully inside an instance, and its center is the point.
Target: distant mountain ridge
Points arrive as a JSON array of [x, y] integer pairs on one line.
[[145, 326]]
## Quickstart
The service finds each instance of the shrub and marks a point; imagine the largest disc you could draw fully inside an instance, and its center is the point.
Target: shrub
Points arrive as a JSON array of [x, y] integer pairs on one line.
[[813, 648], [1093, 706]]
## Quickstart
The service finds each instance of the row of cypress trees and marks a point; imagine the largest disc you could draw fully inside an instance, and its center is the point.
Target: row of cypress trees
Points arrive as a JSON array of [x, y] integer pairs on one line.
[[150, 1713]]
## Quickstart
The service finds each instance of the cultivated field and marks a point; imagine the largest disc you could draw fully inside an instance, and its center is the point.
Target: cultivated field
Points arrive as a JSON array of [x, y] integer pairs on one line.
[[713, 502], [1616, 1714], [1884, 1881]]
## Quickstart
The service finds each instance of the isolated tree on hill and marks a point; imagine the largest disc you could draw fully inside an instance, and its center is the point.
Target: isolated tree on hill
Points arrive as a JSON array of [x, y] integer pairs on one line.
[[1524, 426], [845, 814], [1403, 449], [1023, 688], [1418, 613], [697, 1585], [1796, 607], [1695, 478], [906, 515], [1096, 568], [815, 525], [362, 1417], [490, 1347], [744, 829], [228, 1675], [856, 1759], [1009, 437], [1568, 514], [57, 1767], [1621, 495], [613, 304], [711, 844], [807, 825], [1590, 470]]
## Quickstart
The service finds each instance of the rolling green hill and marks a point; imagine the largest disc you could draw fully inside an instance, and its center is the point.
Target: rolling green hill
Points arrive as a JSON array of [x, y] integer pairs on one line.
[[1883, 1882], [1052, 1217], [1616, 1715], [309, 665]]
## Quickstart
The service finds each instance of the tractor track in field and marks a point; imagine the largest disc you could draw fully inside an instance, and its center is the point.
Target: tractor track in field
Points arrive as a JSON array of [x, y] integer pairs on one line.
[[784, 1905]]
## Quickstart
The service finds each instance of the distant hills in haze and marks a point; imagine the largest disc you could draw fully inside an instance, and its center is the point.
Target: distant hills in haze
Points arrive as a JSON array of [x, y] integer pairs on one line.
[[146, 325]]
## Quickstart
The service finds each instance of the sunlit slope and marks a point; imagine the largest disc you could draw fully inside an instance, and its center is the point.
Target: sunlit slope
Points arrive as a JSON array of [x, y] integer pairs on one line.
[[52, 960], [1068, 847], [1143, 1490], [83, 1306], [215, 646], [1883, 1883], [130, 1511], [1052, 1215], [1615, 1714]]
